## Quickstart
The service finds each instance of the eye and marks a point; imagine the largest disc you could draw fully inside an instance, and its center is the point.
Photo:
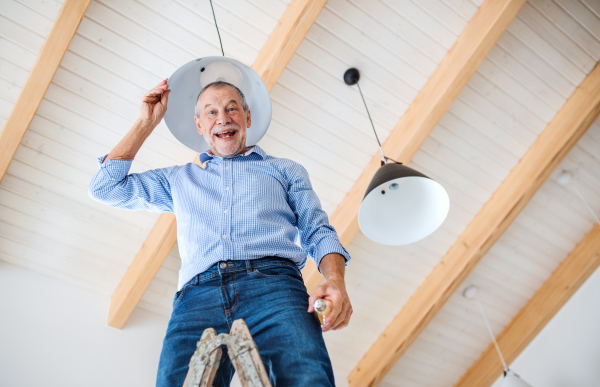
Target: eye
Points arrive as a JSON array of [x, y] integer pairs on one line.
[[232, 109]]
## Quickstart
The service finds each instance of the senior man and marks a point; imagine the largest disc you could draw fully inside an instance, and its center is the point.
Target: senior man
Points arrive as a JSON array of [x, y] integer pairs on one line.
[[237, 221]]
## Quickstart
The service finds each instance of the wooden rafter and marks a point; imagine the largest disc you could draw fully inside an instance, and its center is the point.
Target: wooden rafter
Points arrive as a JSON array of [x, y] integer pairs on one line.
[[432, 102], [539, 310], [54, 48], [270, 63], [551, 147]]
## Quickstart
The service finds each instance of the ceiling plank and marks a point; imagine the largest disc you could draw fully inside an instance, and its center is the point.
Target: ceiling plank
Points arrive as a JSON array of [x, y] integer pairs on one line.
[[432, 102], [285, 39], [551, 147], [575, 269], [54, 48]]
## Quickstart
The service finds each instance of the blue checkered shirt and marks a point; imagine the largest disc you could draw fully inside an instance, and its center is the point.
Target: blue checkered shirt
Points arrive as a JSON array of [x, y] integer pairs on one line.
[[244, 207]]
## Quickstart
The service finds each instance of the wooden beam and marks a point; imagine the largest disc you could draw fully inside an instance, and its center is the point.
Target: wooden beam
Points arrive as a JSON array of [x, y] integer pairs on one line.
[[539, 310], [270, 63], [293, 26], [551, 147], [432, 102], [142, 270], [54, 48]]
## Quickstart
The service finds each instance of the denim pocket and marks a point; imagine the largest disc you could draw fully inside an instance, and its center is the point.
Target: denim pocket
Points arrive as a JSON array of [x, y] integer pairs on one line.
[[278, 271], [179, 295]]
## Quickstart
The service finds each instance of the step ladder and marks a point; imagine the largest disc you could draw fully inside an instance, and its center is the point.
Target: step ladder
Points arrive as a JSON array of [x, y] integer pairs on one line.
[[242, 352]]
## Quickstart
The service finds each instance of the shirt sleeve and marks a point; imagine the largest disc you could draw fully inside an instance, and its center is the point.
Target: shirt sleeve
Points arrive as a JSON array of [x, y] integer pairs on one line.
[[113, 186], [317, 237]]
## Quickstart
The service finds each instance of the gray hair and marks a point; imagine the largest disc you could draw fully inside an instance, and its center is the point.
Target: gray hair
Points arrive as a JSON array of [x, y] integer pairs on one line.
[[218, 84]]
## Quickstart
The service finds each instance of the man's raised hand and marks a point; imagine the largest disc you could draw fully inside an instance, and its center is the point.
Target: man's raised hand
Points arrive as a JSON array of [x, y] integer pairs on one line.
[[154, 104], [152, 110]]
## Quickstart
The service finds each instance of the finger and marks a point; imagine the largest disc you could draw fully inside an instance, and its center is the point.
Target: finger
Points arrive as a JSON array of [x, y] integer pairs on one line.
[[340, 319], [152, 96], [349, 316], [149, 97], [339, 322], [335, 312], [316, 294], [157, 90], [165, 97], [345, 321]]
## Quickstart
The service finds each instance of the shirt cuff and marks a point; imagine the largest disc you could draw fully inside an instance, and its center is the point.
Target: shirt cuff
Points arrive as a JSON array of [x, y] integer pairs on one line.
[[330, 246], [114, 169]]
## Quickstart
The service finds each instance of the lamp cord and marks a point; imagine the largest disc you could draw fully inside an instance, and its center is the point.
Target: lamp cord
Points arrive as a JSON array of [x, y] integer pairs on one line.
[[487, 323], [587, 205], [383, 158], [216, 25]]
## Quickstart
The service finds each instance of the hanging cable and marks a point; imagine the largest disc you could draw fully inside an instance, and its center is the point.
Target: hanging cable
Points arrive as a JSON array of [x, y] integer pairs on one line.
[[383, 158], [487, 323], [587, 205], [216, 25]]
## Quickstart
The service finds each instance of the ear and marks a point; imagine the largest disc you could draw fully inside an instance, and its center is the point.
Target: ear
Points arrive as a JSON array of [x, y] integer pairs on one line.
[[198, 125], [248, 119]]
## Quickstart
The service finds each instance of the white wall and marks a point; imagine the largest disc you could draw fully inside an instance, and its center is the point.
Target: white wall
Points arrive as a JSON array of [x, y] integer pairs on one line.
[[567, 351], [55, 334]]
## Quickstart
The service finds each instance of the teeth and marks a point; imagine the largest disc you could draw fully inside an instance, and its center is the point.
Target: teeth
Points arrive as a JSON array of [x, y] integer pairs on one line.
[[225, 134]]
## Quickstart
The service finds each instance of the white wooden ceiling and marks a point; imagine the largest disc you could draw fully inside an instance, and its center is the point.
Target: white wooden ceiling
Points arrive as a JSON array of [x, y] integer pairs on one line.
[[123, 47]]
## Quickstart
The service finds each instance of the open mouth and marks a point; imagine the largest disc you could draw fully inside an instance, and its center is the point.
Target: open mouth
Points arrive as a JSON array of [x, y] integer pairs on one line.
[[226, 134]]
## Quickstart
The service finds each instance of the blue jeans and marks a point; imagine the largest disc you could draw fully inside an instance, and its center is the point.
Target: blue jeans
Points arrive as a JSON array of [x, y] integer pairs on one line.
[[269, 294]]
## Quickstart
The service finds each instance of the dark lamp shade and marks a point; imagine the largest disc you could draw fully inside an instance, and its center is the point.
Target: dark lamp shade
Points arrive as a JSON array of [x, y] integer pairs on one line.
[[402, 206]]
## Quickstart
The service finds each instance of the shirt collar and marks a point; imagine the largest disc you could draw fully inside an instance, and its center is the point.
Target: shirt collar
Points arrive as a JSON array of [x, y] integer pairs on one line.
[[205, 156]]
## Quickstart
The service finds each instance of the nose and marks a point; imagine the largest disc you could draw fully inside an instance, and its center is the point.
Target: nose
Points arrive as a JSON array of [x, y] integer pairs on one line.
[[223, 118]]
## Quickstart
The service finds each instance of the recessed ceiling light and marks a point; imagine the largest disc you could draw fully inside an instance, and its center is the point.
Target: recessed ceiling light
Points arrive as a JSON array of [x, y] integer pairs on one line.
[[565, 177]]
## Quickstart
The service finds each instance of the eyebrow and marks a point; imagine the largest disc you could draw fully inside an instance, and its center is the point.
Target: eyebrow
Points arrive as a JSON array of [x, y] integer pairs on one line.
[[232, 100]]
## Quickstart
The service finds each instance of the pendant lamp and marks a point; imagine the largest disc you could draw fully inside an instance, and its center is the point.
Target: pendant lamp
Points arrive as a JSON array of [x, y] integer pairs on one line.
[[187, 82], [401, 205], [511, 379]]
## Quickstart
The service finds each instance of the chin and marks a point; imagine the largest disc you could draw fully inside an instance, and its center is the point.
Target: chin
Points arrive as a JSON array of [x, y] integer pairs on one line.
[[229, 150]]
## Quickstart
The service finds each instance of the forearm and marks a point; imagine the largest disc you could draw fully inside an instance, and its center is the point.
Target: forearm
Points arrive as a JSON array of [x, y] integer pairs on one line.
[[333, 267], [128, 147]]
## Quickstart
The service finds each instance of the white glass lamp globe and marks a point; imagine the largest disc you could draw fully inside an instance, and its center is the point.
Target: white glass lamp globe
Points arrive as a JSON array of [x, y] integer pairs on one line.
[[402, 206]]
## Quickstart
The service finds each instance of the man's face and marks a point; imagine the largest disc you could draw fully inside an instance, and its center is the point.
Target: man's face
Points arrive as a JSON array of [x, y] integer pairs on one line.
[[222, 121]]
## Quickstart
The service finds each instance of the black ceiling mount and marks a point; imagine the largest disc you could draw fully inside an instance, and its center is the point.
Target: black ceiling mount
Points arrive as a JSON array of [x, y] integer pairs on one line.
[[351, 76]]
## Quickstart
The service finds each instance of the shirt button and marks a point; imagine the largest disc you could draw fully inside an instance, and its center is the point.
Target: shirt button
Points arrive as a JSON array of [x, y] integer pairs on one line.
[[226, 188], [226, 211], [223, 265], [224, 236]]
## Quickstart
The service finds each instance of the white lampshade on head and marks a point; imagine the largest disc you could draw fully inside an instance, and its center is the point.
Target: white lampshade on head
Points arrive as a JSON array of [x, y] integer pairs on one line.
[[186, 84], [513, 380], [402, 206]]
